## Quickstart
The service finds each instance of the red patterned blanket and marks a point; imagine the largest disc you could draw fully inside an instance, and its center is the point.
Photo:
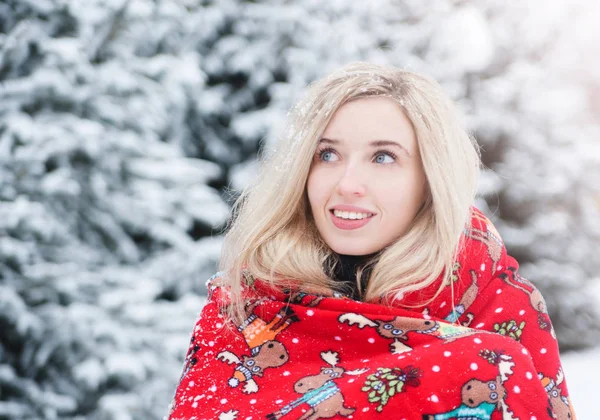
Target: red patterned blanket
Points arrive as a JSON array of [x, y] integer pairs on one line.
[[490, 353]]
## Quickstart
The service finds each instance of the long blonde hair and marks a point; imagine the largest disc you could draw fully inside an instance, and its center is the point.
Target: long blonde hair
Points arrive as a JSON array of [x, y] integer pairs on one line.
[[272, 235]]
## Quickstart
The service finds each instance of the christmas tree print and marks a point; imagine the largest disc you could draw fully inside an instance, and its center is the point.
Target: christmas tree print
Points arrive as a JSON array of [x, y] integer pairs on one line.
[[510, 329], [492, 356], [387, 382]]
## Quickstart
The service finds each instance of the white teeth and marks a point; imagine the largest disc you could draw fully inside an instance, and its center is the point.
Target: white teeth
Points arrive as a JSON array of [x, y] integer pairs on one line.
[[351, 214]]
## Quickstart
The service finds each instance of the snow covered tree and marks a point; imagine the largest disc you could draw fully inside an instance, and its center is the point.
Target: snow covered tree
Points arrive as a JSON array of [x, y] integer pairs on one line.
[[105, 221], [123, 122], [538, 124]]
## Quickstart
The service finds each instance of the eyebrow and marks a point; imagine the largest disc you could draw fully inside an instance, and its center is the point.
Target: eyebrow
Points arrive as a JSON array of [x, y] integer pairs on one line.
[[373, 143]]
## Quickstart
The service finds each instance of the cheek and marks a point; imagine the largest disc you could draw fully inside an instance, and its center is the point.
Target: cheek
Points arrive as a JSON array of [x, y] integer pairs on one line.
[[310, 190], [406, 191], [314, 190]]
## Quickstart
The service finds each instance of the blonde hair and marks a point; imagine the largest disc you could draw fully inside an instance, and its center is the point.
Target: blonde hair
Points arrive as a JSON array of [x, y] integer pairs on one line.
[[272, 235]]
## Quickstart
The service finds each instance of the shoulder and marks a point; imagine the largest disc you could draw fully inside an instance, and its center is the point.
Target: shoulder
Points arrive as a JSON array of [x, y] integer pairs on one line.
[[221, 288], [220, 279], [214, 281]]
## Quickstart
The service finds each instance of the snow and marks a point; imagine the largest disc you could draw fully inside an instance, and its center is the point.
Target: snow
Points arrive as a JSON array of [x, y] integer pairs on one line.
[[580, 370], [476, 49], [175, 171]]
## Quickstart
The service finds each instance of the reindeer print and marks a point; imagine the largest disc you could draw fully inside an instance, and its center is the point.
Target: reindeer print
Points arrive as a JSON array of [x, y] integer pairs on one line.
[[559, 404], [467, 299], [272, 354], [489, 237], [398, 328], [480, 398], [265, 351], [257, 331], [320, 392], [535, 297]]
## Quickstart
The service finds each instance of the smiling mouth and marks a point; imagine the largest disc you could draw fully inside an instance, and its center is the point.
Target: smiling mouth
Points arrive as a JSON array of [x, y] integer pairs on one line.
[[351, 215], [348, 220]]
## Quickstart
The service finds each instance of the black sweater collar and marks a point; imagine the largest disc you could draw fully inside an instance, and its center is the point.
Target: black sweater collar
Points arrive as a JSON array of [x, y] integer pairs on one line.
[[345, 273]]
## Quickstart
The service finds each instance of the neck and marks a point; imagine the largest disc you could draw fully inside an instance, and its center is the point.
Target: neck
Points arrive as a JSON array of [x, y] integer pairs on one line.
[[355, 261], [346, 270]]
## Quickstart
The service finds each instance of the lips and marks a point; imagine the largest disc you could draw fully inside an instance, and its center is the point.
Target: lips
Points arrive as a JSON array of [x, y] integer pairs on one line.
[[349, 208], [350, 224]]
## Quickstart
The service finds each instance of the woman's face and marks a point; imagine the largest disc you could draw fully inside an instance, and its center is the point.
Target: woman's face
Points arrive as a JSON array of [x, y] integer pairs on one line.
[[366, 182]]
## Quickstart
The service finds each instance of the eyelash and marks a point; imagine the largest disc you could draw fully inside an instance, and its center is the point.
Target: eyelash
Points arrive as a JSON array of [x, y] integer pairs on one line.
[[321, 152], [387, 152]]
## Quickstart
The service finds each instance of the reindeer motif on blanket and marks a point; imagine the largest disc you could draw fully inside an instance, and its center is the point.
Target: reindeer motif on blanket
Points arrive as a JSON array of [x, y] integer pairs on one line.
[[467, 300], [481, 398], [489, 237], [559, 403], [265, 351], [535, 297], [320, 392], [398, 328]]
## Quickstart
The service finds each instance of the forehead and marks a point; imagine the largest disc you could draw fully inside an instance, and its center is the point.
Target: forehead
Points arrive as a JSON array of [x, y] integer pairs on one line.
[[367, 119]]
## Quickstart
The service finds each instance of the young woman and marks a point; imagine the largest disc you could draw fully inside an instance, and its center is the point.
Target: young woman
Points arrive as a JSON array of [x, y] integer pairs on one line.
[[358, 281]]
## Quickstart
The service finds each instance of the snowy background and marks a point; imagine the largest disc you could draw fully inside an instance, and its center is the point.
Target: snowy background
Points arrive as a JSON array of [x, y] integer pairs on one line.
[[127, 126]]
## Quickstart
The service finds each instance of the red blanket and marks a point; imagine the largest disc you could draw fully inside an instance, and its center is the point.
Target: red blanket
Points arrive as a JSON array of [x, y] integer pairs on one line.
[[303, 356]]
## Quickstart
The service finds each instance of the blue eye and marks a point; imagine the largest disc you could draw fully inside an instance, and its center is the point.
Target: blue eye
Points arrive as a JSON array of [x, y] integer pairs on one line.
[[327, 155], [384, 158]]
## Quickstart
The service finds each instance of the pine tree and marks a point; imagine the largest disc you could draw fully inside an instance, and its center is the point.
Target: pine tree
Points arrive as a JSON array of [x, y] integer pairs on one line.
[[106, 221]]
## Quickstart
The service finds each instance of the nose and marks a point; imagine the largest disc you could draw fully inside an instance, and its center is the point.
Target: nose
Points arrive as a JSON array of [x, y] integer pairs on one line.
[[351, 183]]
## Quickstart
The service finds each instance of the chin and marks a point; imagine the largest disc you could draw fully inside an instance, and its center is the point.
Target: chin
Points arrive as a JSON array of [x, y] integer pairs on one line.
[[347, 249]]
